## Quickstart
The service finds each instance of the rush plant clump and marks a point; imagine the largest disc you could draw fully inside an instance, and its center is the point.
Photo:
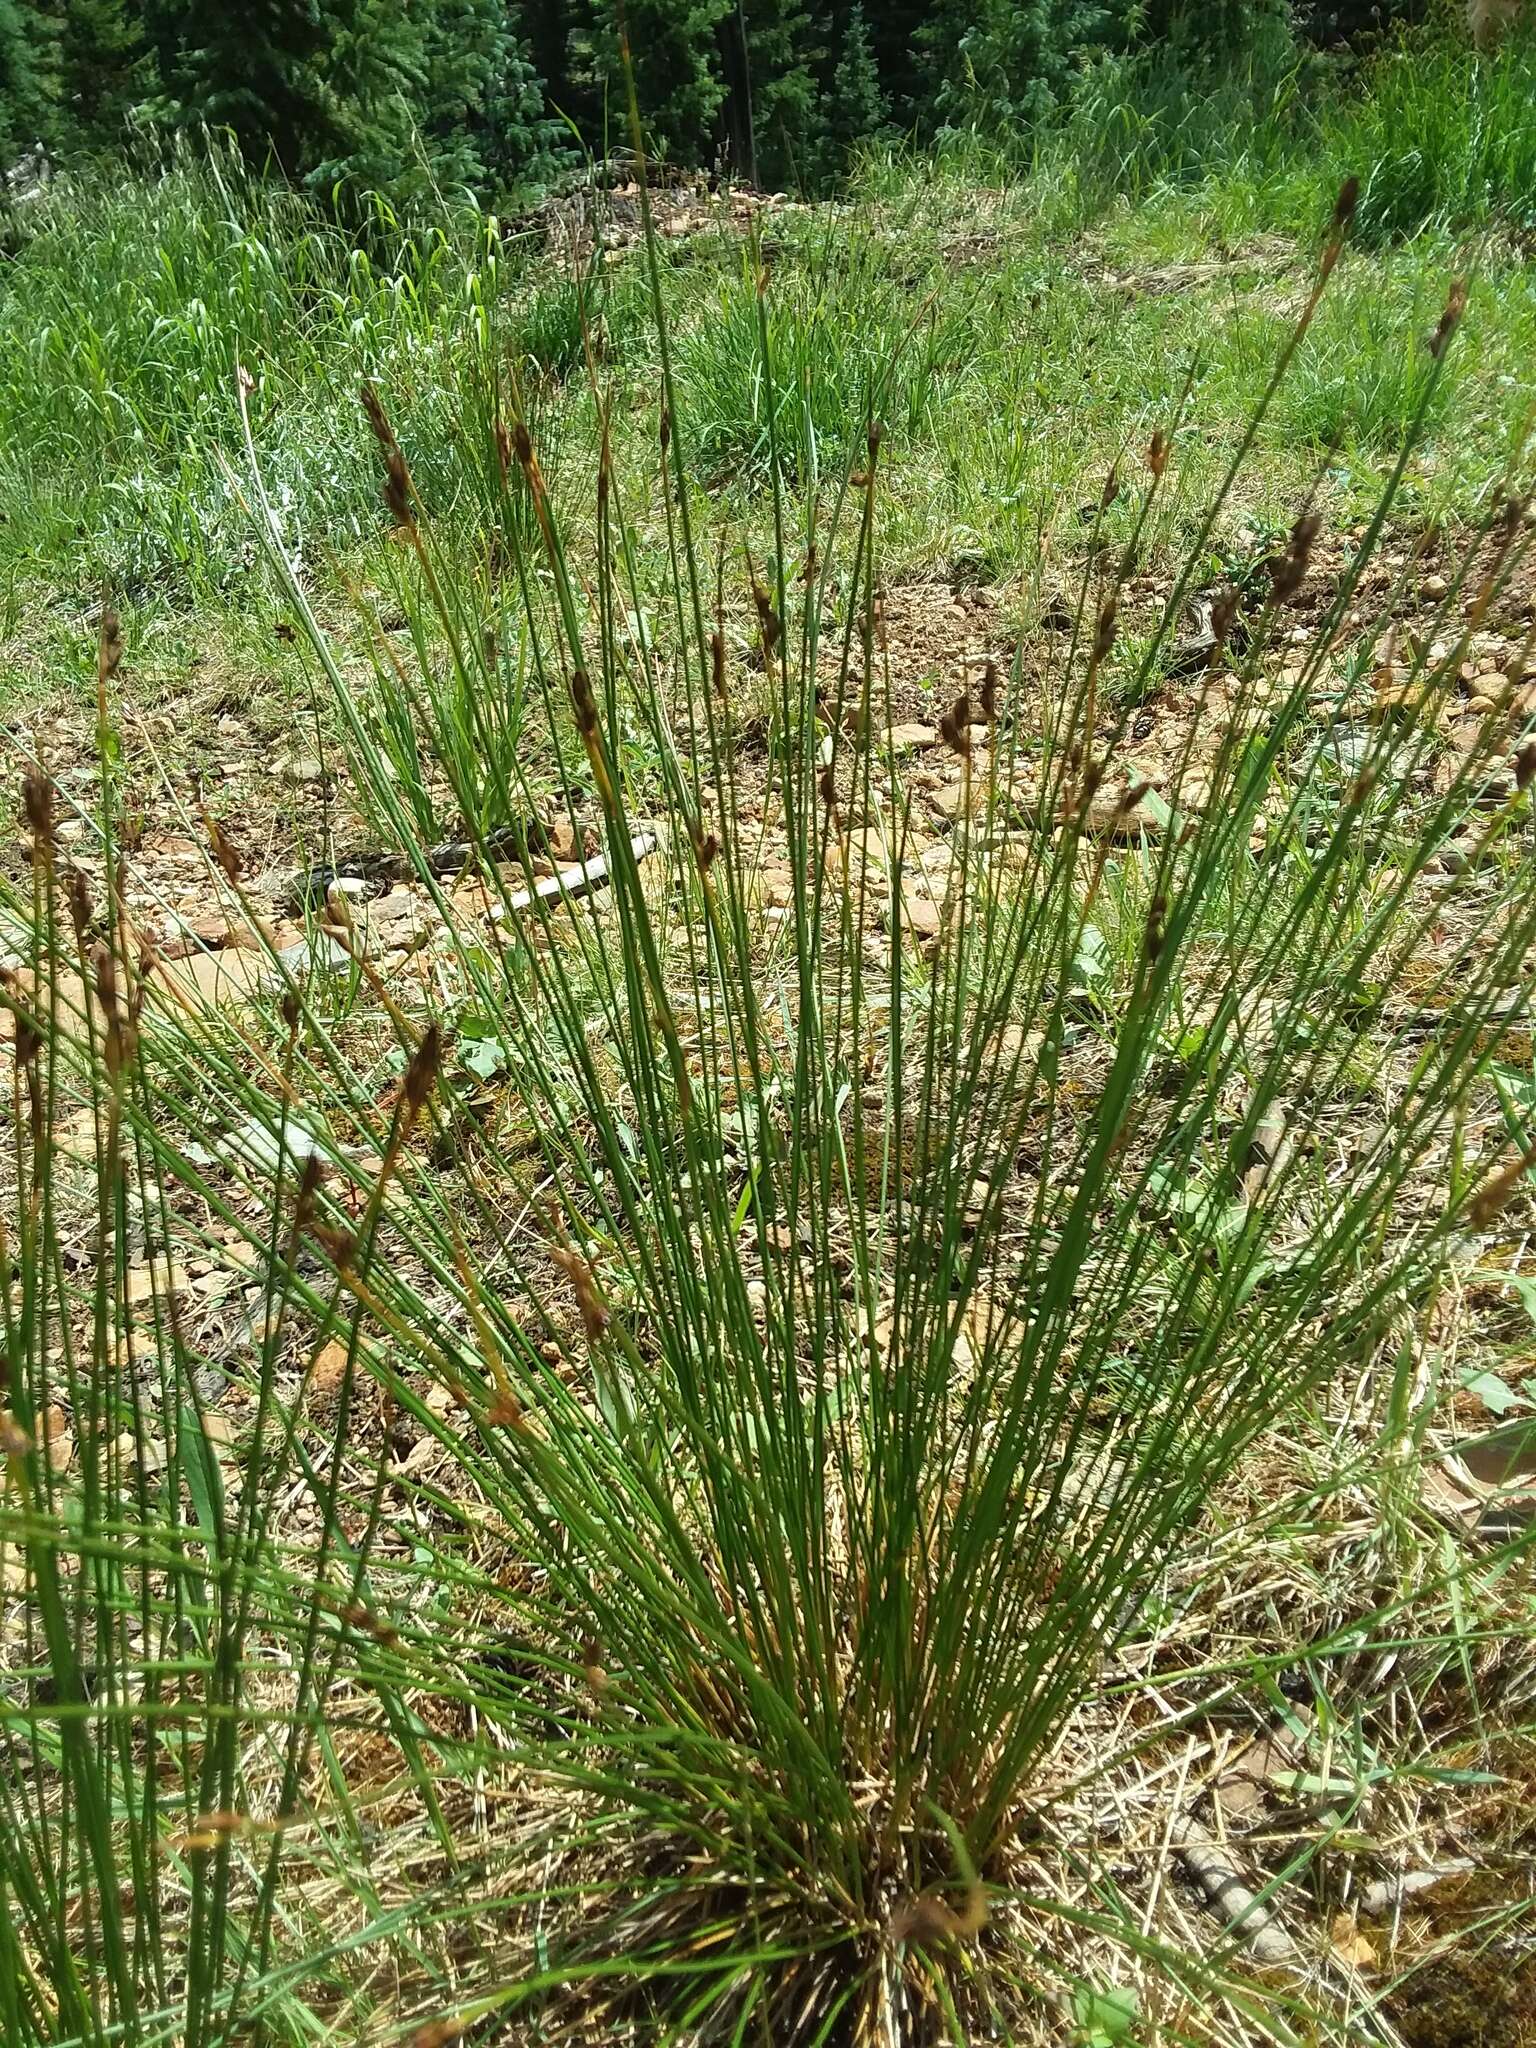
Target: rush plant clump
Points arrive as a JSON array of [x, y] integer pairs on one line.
[[827, 1371]]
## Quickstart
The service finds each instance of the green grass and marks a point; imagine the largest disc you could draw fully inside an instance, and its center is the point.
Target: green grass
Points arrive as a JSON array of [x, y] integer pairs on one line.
[[1005, 360]]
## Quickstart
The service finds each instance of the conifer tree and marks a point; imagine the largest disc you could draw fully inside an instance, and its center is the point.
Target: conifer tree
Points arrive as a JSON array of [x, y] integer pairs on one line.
[[775, 55], [102, 68], [29, 79], [858, 111]]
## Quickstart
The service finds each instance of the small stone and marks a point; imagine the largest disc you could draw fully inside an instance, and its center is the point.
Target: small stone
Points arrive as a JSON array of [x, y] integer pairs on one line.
[[912, 734], [920, 913], [1435, 587]]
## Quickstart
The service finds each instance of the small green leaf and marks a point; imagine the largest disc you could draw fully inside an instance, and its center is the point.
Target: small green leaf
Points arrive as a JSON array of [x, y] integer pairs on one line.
[[485, 1057], [1103, 2017], [1495, 1396]]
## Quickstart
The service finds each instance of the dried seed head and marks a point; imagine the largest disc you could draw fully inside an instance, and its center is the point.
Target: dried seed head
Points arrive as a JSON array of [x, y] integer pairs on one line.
[[1157, 453], [14, 1441], [503, 450], [1157, 916], [1223, 617], [1525, 767], [1111, 489], [666, 428], [1450, 319], [872, 440], [310, 1176], [291, 1011], [82, 911], [421, 1074], [1288, 571], [397, 489], [1344, 205], [522, 442], [584, 703], [955, 727], [378, 421], [1493, 1196], [717, 663], [768, 618], [223, 850], [109, 645], [37, 808], [589, 1302], [1104, 635], [988, 692], [826, 783]]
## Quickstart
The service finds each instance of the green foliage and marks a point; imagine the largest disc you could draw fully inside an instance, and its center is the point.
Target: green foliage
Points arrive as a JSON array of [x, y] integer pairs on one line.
[[1442, 136], [262, 71], [104, 69], [832, 1345], [858, 112], [997, 66], [29, 84]]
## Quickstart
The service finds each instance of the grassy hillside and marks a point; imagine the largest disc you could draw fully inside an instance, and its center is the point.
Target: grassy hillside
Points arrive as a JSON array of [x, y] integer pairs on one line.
[[769, 1162]]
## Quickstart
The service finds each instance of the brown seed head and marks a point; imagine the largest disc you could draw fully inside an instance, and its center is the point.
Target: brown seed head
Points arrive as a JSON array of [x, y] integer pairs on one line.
[[397, 489], [1525, 767], [1344, 205], [437, 2034], [988, 692], [768, 618], [584, 703], [37, 808], [378, 421], [1288, 572], [421, 1074], [310, 1177], [28, 1039], [14, 1441], [717, 663], [82, 911], [1157, 453], [593, 1309], [1494, 1195], [109, 645], [1450, 319], [223, 849], [1104, 635]]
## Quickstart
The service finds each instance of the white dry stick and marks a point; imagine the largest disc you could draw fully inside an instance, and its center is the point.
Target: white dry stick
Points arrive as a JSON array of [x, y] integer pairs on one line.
[[574, 882], [1218, 1877]]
